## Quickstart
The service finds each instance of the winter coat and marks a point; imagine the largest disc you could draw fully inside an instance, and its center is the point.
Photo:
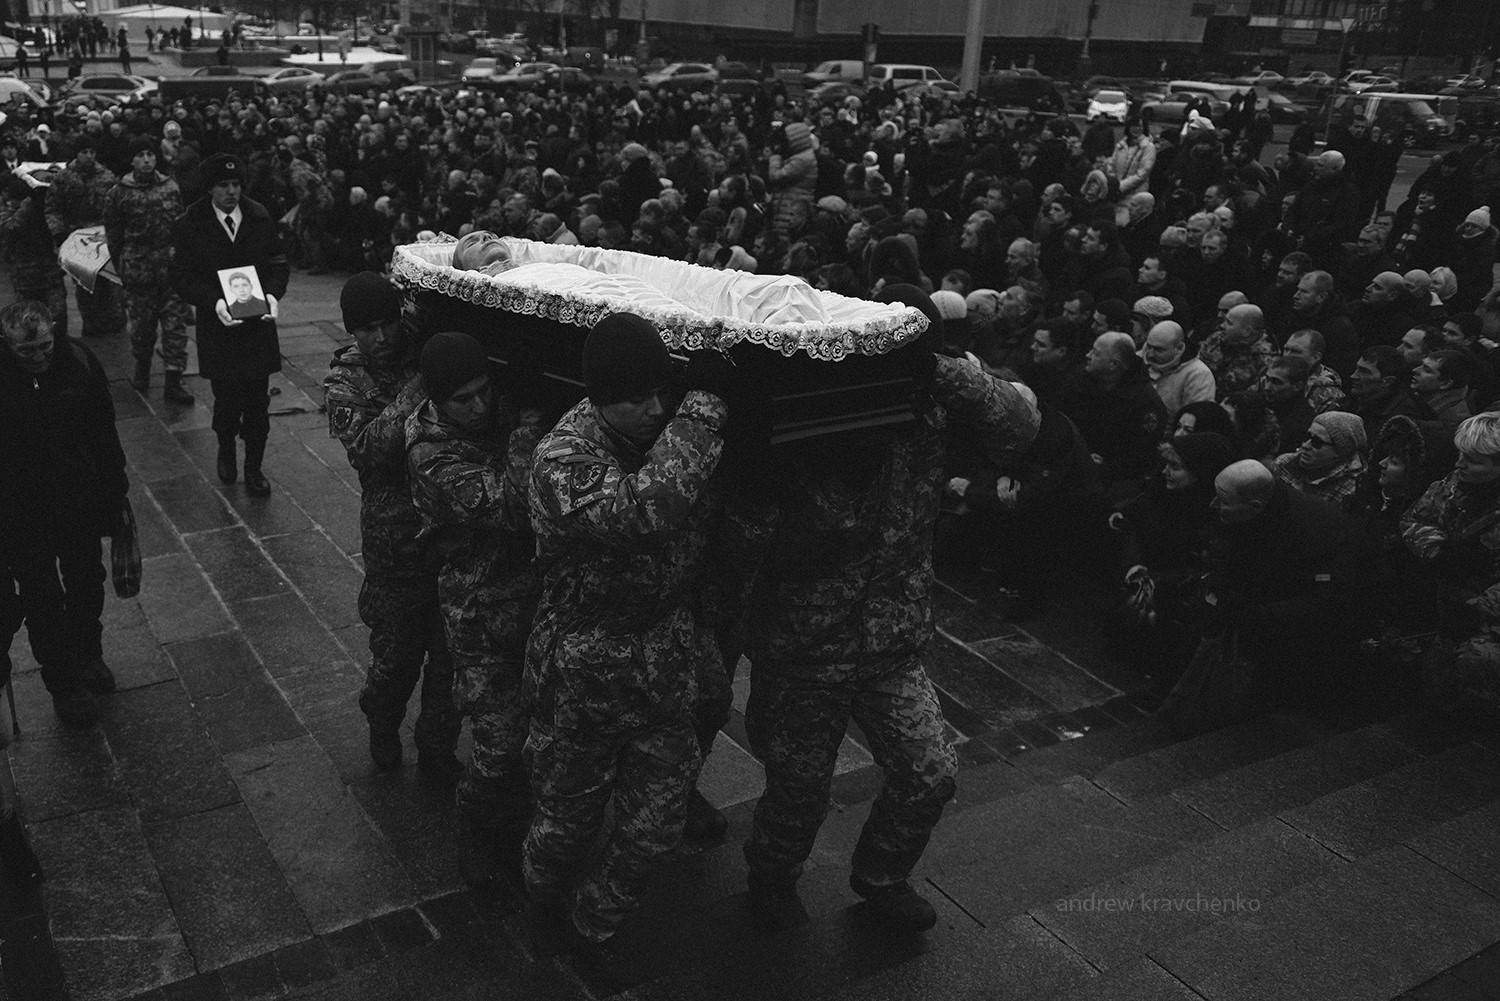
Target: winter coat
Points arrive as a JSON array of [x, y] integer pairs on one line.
[[792, 180], [77, 198], [1122, 425], [1131, 164], [138, 223]]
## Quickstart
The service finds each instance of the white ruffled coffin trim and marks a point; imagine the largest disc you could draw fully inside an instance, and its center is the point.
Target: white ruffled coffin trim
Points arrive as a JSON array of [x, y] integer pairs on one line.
[[695, 307]]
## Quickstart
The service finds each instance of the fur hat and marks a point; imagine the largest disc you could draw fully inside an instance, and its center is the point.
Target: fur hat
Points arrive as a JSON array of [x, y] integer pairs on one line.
[[219, 168], [1345, 430]]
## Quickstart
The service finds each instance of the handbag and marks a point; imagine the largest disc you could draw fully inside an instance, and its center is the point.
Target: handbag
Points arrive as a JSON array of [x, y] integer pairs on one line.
[[125, 554]]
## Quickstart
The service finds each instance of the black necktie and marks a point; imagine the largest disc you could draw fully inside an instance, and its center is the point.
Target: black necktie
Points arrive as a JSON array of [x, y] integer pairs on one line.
[[229, 225]]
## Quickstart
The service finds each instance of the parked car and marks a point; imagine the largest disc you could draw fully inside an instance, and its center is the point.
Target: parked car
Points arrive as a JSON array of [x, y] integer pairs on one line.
[[1282, 109], [1265, 78], [480, 69], [1472, 110], [1467, 80], [21, 92], [113, 87], [568, 79], [1108, 106], [1172, 108], [218, 85], [521, 76], [834, 71], [902, 75], [1359, 81], [8, 47], [1314, 78], [737, 80], [1410, 116], [834, 92], [680, 77], [1021, 90], [290, 79]]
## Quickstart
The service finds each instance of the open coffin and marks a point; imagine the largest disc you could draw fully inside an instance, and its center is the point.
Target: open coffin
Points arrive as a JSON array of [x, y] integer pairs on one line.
[[823, 360]]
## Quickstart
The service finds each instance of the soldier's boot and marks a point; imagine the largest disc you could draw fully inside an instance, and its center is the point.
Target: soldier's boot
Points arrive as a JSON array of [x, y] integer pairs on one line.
[[440, 769], [141, 378], [704, 821], [173, 392], [548, 926], [898, 905], [611, 963], [774, 904], [489, 857], [227, 463], [98, 678], [256, 484]]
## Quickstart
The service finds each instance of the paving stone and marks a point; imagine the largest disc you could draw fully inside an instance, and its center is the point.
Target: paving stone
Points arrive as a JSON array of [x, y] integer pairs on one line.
[[326, 700], [474, 967], [127, 402], [1466, 846], [1027, 865], [253, 979], [235, 565], [273, 516], [966, 620], [1377, 928], [153, 533], [1018, 960], [355, 641], [329, 451], [64, 772], [1059, 681], [340, 870], [1098, 749], [190, 504], [1372, 815], [418, 826], [203, 987], [1261, 789], [353, 946], [151, 450], [1446, 988], [730, 774], [226, 891], [324, 575], [1163, 770], [167, 760], [318, 491], [241, 706], [114, 928], [1141, 980], [987, 691], [304, 964], [177, 600], [1113, 922], [1481, 972], [401, 931], [131, 648], [450, 912], [286, 635]]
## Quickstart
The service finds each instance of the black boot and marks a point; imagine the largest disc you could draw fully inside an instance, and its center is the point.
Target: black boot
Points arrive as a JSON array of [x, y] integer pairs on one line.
[[704, 821], [898, 906], [256, 484], [774, 904], [385, 747], [439, 770], [97, 677], [173, 392], [228, 462], [141, 379]]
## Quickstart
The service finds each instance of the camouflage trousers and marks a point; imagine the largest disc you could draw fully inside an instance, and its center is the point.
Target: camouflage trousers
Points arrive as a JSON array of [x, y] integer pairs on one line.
[[495, 791], [44, 284], [150, 306], [643, 776], [99, 309], [796, 722], [407, 645]]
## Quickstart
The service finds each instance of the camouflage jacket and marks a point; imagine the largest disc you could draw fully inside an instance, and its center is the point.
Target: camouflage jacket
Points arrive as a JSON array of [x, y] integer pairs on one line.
[[1462, 529], [621, 536], [138, 221], [368, 407], [28, 247], [77, 198], [1325, 390], [470, 487], [1235, 366], [841, 554]]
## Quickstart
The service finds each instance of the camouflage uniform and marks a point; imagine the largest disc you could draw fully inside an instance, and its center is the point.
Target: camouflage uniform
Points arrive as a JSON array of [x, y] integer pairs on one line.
[[30, 252], [75, 200], [615, 657], [1236, 366], [840, 616], [367, 411], [1325, 390], [138, 221], [470, 488]]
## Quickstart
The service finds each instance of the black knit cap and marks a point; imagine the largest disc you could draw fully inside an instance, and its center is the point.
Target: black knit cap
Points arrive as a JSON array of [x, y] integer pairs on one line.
[[910, 295], [142, 144], [367, 299], [449, 361], [624, 358]]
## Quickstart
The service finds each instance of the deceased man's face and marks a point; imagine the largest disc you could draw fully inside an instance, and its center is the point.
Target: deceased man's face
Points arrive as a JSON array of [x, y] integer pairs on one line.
[[241, 289], [478, 251]]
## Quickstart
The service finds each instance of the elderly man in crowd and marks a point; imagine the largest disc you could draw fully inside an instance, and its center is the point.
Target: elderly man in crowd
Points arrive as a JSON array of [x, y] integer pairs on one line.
[[1177, 379]]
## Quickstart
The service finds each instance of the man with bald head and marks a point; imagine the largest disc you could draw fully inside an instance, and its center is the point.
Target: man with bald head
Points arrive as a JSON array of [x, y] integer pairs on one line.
[[1237, 353], [1317, 306], [1020, 264], [1284, 585], [1177, 379], [1326, 213], [1111, 402]]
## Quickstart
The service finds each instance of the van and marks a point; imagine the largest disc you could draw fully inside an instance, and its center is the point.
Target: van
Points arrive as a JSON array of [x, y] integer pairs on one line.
[[1021, 90], [1413, 117], [1218, 91], [835, 71], [903, 75]]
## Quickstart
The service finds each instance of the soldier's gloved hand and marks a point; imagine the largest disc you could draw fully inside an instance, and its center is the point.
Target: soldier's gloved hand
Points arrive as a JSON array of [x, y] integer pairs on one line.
[[919, 361], [712, 372], [1140, 594]]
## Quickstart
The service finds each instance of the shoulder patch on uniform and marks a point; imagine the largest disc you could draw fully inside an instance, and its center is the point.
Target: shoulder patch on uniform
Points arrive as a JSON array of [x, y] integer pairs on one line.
[[1151, 423], [586, 477]]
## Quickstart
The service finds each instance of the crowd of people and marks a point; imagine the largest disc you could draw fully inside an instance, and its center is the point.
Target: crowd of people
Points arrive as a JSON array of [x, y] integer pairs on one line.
[[1233, 384]]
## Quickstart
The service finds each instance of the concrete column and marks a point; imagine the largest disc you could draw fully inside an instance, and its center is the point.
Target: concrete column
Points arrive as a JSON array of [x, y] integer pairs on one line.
[[968, 77]]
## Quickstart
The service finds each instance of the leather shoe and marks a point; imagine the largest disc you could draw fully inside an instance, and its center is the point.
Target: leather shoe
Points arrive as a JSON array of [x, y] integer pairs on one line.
[[173, 392], [611, 963], [385, 748], [256, 484], [98, 678], [899, 906], [141, 377], [75, 708], [227, 463]]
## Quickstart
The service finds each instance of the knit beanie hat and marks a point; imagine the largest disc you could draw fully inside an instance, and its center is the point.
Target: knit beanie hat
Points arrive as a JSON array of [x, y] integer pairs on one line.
[[911, 295], [1444, 282], [367, 299], [624, 358], [1173, 237], [950, 305], [1154, 307], [145, 144], [833, 203], [984, 301], [450, 360], [798, 137], [1479, 217], [1205, 454], [1346, 431], [633, 152]]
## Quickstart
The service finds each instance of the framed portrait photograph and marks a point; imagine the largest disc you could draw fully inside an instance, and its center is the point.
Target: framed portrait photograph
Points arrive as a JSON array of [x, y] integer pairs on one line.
[[243, 294]]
